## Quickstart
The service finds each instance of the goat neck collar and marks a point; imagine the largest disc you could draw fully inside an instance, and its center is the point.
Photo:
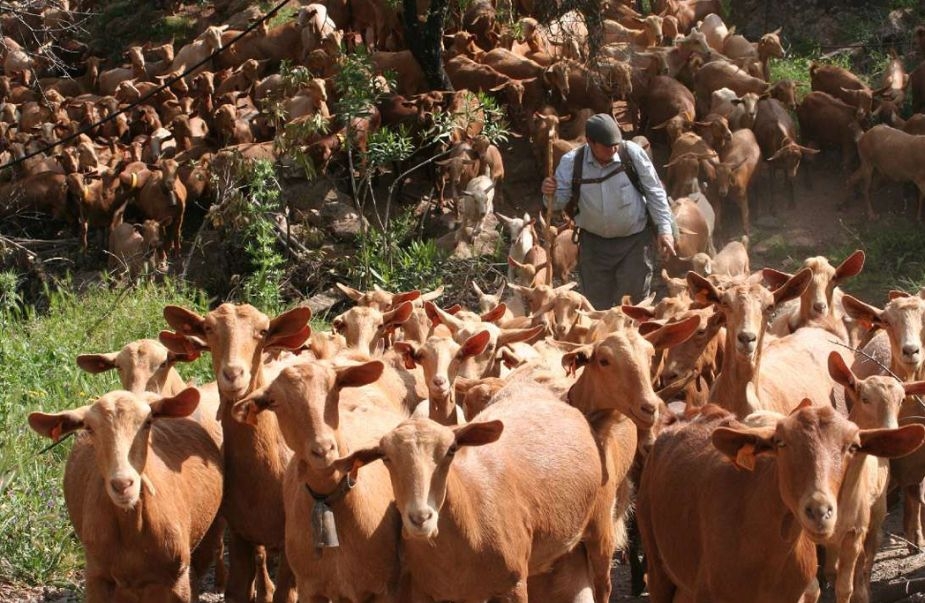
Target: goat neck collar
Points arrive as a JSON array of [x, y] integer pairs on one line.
[[345, 485], [324, 528]]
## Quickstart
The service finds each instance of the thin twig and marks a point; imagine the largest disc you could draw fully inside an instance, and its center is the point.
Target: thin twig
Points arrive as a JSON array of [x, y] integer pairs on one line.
[[909, 542], [105, 316], [869, 357], [54, 444]]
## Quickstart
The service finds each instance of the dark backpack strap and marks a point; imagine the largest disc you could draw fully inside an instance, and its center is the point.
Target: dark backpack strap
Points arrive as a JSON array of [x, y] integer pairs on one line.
[[630, 167], [571, 208]]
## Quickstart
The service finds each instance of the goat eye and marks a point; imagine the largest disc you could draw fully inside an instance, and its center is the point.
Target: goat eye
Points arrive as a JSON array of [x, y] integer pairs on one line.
[[263, 333], [148, 423], [865, 400], [451, 451], [853, 448], [780, 443], [603, 362]]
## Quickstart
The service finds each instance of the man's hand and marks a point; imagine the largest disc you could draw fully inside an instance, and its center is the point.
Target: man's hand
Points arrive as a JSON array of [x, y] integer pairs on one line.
[[665, 243], [549, 186]]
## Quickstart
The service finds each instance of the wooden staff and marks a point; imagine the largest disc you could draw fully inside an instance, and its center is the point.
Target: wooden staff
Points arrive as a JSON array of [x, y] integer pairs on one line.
[[550, 236]]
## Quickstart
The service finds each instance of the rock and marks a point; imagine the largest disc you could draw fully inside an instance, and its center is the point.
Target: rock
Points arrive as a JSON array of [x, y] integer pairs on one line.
[[323, 206], [342, 220], [242, 19], [324, 301]]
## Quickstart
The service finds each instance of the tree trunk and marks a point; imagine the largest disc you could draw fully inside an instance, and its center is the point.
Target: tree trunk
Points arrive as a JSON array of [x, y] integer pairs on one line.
[[424, 41]]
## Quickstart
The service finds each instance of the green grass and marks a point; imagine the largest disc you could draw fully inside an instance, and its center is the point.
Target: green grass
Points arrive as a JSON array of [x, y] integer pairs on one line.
[[37, 352], [796, 67], [894, 257]]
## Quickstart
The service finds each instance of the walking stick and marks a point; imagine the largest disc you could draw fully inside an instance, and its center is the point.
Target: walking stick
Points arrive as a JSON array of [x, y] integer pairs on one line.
[[550, 237]]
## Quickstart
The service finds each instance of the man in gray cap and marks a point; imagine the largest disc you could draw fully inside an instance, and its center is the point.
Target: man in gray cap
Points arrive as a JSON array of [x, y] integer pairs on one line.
[[612, 214]]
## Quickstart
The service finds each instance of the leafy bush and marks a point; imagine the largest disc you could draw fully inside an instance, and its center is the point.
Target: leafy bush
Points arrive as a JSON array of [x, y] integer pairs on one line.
[[248, 204], [398, 259]]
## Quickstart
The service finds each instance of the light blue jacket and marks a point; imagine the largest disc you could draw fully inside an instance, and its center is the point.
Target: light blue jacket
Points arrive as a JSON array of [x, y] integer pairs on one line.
[[614, 208]]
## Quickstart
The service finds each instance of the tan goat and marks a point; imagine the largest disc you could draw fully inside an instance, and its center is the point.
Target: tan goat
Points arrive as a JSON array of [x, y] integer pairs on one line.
[[782, 371], [255, 455], [462, 543], [142, 492], [816, 305], [143, 365], [902, 320], [779, 483], [440, 358], [323, 413], [875, 404]]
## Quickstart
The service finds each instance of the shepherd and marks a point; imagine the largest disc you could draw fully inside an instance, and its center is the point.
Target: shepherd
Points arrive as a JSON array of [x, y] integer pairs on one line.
[[620, 209]]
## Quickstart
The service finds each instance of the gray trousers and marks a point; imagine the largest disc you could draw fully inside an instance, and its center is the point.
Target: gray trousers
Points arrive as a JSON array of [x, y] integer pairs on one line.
[[612, 268]]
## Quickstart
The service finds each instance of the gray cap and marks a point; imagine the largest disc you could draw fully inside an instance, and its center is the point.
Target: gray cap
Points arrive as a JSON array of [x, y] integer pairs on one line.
[[602, 129]]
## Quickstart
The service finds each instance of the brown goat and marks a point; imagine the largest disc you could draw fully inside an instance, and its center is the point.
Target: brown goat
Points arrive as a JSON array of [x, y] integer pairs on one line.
[[143, 486]]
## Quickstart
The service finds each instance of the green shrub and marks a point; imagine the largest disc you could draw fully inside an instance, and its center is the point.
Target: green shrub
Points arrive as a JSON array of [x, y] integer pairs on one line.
[[248, 202], [398, 259]]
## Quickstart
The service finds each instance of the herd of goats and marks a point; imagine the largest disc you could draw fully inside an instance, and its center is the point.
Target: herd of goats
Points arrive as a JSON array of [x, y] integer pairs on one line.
[[729, 429]]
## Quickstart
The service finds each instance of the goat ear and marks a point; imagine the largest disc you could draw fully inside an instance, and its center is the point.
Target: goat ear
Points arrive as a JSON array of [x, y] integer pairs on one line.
[[176, 407], [432, 295], [674, 333], [359, 375], [478, 434], [289, 330], [495, 314], [440, 316], [97, 363], [852, 265], [408, 352], [794, 286], [352, 462], [475, 345], [912, 388], [406, 296], [529, 334], [742, 446], [181, 345], [399, 315], [57, 425], [462, 385], [247, 409], [892, 443], [638, 313], [572, 361], [350, 292], [865, 314], [189, 356], [775, 278], [702, 290], [185, 322], [840, 372]]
